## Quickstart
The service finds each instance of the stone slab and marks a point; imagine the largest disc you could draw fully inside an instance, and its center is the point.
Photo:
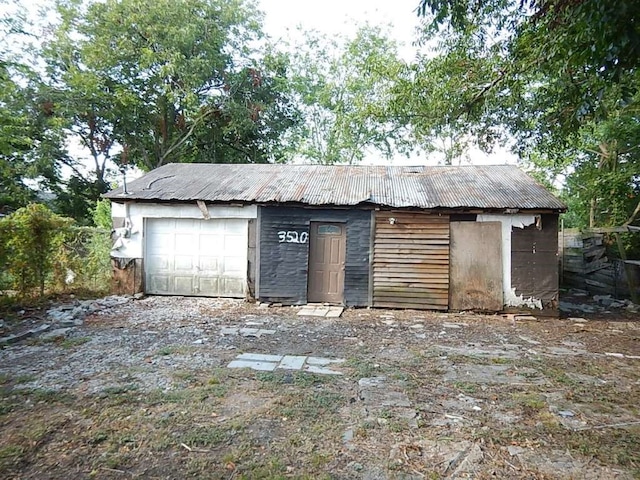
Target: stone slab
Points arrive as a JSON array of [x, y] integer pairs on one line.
[[334, 312], [260, 357], [322, 362], [254, 365], [228, 331], [321, 370], [292, 362]]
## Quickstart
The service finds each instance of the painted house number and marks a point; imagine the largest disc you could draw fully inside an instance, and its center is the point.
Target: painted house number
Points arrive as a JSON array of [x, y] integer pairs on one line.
[[292, 237]]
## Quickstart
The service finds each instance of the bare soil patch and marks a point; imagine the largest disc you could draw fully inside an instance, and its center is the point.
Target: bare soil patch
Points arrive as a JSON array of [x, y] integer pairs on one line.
[[142, 390]]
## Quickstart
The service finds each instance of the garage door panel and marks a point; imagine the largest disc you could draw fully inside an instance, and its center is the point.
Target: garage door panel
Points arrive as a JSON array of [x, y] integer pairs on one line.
[[232, 286], [235, 226], [233, 245], [196, 257], [160, 242], [233, 265], [158, 263], [209, 243], [158, 283], [209, 265], [183, 285], [208, 284], [183, 263]]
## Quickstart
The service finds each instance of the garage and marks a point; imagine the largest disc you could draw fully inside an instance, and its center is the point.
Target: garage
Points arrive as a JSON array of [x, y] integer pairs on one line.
[[184, 256]]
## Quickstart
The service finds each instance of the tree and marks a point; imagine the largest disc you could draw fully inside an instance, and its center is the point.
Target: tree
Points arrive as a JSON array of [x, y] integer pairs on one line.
[[343, 86], [166, 81], [29, 140], [561, 77]]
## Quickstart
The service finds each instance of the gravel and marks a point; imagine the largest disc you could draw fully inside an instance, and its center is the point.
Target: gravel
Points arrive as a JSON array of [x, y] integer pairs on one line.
[[119, 342]]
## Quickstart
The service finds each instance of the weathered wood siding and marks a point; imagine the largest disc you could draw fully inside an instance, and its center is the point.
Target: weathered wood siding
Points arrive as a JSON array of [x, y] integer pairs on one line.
[[284, 264], [411, 260]]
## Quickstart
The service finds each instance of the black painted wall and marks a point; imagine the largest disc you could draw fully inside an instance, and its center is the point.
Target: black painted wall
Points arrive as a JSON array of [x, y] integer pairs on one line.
[[534, 261], [284, 265]]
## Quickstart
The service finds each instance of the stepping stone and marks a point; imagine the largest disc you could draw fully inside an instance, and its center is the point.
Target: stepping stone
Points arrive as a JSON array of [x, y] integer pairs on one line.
[[254, 365], [323, 362], [321, 370], [259, 357], [292, 362]]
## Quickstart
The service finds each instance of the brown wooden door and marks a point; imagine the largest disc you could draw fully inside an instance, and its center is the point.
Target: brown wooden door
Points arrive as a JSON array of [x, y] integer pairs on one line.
[[326, 262], [476, 266]]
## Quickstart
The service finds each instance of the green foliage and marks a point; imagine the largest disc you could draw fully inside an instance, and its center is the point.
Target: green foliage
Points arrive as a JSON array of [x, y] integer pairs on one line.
[[83, 261], [343, 86], [102, 214], [31, 236], [43, 250], [559, 77], [168, 81]]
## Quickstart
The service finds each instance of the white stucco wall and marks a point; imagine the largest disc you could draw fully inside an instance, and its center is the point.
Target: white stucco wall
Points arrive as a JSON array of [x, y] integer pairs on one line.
[[509, 222], [129, 240]]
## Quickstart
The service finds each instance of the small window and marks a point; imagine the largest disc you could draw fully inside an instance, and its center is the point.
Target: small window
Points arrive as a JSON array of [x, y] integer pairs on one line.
[[329, 230]]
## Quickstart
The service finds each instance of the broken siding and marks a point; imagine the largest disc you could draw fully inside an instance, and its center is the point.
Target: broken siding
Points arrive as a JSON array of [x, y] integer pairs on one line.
[[411, 260], [284, 264], [534, 261]]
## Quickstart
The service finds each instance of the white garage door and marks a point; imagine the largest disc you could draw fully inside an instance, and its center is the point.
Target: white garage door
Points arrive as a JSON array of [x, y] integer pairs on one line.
[[196, 257]]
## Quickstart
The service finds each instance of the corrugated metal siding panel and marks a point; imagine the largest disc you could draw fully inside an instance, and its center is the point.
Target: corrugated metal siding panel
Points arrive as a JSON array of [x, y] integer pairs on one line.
[[411, 261], [496, 186]]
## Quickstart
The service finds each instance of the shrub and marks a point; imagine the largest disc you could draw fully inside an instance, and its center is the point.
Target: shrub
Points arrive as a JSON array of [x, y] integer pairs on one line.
[[30, 237], [39, 248]]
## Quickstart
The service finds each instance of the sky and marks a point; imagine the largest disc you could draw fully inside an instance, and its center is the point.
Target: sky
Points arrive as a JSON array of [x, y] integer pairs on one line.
[[333, 17]]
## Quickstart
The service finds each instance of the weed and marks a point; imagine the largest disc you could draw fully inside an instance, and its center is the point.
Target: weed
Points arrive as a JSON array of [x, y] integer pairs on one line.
[[10, 455], [70, 343], [184, 375], [205, 436], [500, 361], [165, 351], [362, 369], [466, 387], [118, 390], [26, 378], [529, 400]]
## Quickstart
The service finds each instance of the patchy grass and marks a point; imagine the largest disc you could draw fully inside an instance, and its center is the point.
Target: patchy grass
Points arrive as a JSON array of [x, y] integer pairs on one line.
[[242, 424]]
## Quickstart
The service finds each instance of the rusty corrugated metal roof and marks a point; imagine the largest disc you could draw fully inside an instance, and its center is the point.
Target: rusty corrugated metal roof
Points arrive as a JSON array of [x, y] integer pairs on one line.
[[491, 187]]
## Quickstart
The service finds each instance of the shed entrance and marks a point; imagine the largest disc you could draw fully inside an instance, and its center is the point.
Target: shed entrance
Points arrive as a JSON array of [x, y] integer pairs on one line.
[[476, 266], [196, 257], [327, 249]]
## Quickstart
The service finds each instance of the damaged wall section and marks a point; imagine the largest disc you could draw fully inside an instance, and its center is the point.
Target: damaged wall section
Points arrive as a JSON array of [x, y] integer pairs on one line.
[[534, 262], [530, 260], [126, 276]]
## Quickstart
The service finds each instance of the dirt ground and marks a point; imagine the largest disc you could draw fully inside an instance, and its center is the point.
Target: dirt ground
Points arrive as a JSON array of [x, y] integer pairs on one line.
[[142, 390]]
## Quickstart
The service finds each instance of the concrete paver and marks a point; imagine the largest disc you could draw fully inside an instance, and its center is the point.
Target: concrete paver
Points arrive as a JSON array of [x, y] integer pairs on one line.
[[292, 362], [266, 362], [259, 357], [253, 364]]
